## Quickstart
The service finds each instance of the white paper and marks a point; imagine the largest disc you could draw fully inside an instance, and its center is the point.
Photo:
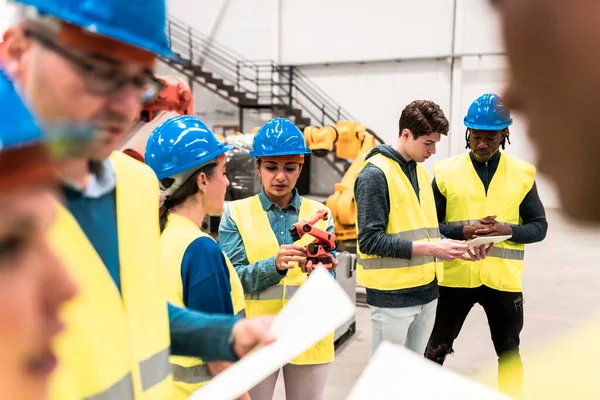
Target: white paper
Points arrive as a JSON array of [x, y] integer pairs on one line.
[[487, 240], [395, 372], [318, 308]]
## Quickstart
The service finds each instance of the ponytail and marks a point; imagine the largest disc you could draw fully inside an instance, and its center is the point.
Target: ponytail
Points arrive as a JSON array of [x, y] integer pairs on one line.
[[187, 189], [163, 214]]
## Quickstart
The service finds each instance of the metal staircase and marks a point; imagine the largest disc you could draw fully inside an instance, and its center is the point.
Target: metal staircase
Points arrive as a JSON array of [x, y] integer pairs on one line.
[[283, 90]]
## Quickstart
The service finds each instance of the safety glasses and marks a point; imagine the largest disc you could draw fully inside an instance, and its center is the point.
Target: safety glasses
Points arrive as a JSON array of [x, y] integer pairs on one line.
[[103, 80]]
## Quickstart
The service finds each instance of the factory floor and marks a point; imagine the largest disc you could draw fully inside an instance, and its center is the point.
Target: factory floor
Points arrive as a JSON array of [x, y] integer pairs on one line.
[[561, 289]]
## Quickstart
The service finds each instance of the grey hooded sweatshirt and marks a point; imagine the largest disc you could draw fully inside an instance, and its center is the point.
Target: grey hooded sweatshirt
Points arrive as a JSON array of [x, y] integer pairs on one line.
[[373, 207]]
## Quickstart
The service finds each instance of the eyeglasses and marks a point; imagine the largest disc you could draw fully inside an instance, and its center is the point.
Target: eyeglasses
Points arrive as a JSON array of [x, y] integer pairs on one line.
[[104, 81]]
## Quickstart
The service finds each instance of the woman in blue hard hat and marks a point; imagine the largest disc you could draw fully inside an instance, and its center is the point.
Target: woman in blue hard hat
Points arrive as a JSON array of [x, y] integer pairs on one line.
[[190, 164], [254, 233], [33, 283], [486, 192]]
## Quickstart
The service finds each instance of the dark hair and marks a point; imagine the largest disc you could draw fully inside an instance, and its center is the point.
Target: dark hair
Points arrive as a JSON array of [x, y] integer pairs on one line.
[[423, 117], [504, 132], [187, 189]]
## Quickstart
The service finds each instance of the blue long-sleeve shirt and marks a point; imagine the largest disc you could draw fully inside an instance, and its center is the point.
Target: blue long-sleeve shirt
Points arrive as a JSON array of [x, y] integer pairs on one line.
[[205, 278], [192, 333], [263, 274]]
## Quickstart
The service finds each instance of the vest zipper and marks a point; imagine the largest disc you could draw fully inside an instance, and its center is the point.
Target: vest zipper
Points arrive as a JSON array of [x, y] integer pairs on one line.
[[485, 173]]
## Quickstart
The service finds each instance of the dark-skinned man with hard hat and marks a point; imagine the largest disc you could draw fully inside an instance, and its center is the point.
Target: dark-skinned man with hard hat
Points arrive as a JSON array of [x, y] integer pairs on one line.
[[91, 62], [554, 83], [486, 192]]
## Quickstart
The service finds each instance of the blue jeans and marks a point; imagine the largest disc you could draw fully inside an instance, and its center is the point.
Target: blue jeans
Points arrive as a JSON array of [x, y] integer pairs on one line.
[[406, 326]]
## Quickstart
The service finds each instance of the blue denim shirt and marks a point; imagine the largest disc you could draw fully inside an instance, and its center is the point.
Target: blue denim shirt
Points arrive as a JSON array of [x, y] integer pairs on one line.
[[262, 274]]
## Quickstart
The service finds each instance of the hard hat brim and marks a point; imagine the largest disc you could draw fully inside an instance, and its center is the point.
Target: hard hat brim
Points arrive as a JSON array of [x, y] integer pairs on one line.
[[254, 153], [195, 165], [488, 127]]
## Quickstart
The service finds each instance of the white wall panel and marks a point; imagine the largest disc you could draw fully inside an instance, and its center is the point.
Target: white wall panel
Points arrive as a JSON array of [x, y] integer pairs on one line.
[[375, 94], [317, 31], [246, 27], [477, 28], [200, 14]]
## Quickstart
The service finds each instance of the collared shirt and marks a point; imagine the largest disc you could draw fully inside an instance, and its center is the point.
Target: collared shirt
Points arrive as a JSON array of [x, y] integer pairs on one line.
[[262, 274], [95, 209], [102, 182]]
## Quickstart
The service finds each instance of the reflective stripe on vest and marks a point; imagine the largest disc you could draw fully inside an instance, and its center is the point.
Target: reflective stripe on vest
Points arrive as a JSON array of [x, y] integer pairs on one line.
[[155, 369], [467, 202], [273, 293], [385, 262], [419, 234], [193, 374], [411, 218], [509, 254], [469, 222], [122, 390], [261, 243]]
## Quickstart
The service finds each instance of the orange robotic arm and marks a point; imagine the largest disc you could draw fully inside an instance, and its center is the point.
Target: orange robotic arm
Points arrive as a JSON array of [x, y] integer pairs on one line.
[[175, 98], [319, 251]]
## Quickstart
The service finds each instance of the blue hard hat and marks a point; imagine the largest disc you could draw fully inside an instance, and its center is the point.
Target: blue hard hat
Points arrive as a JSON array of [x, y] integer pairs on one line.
[[487, 113], [18, 126], [140, 23], [278, 137], [179, 144]]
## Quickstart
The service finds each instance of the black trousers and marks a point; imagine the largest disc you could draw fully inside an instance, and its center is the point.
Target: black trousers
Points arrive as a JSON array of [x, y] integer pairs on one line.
[[504, 311]]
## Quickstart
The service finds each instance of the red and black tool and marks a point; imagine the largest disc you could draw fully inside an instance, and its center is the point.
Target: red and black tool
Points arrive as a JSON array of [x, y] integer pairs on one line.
[[319, 250]]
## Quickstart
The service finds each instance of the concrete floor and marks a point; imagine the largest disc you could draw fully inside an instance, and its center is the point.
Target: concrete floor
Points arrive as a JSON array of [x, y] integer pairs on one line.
[[562, 275]]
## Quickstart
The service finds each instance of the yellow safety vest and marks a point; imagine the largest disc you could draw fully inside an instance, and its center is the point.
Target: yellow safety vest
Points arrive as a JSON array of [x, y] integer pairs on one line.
[[189, 373], [410, 218], [467, 203], [115, 346], [260, 243]]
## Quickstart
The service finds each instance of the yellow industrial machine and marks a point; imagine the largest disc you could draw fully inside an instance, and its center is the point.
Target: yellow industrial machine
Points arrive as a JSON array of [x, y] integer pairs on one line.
[[351, 141]]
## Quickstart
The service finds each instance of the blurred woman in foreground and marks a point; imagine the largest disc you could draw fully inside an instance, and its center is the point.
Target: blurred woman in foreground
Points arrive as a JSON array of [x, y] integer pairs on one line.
[[33, 284]]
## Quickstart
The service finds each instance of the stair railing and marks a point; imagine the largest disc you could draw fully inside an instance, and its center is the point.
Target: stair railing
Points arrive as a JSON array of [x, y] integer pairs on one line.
[[266, 82]]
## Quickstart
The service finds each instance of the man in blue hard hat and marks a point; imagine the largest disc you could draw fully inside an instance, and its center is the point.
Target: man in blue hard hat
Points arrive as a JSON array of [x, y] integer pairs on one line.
[[91, 62], [486, 192], [554, 84]]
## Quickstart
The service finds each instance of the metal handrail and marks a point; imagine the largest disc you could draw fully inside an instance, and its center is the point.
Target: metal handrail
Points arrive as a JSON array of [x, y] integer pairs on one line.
[[321, 93], [265, 81]]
